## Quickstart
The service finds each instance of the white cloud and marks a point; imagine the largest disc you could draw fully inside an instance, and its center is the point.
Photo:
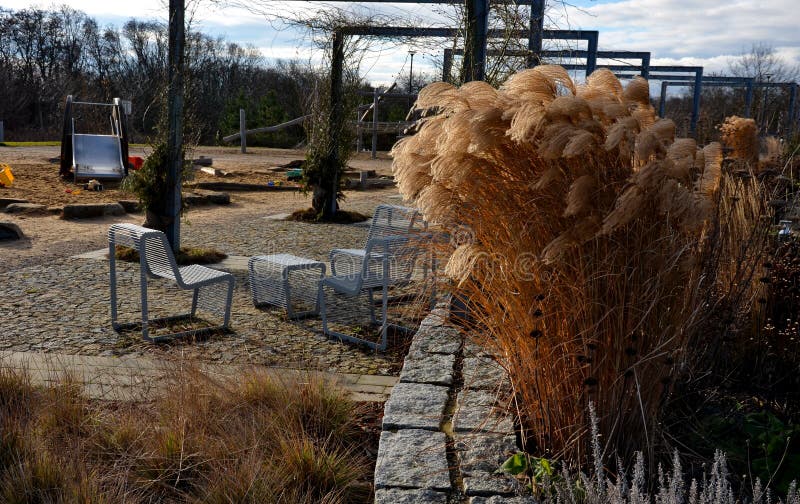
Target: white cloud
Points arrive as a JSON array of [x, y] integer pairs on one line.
[[710, 33], [702, 31]]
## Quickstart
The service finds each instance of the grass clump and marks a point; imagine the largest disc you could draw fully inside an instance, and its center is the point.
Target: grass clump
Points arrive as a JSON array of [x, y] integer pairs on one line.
[[250, 439], [48, 143], [599, 248], [185, 256]]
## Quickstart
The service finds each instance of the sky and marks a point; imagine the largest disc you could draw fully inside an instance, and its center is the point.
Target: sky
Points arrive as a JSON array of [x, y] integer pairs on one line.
[[709, 33]]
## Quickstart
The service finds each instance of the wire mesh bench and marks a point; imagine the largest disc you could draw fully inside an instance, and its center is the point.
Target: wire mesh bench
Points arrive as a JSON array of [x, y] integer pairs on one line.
[[286, 280], [212, 290]]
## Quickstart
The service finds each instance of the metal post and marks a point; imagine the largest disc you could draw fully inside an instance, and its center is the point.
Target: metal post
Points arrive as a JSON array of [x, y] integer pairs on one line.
[[698, 90], [646, 65], [748, 99], [764, 124], [662, 103], [537, 30], [335, 121], [474, 65], [411, 73], [177, 39], [591, 57], [359, 132], [2, 133], [375, 94], [792, 101], [447, 65], [242, 131]]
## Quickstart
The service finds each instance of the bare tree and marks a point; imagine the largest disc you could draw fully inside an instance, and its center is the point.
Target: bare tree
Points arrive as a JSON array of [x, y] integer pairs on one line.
[[771, 104]]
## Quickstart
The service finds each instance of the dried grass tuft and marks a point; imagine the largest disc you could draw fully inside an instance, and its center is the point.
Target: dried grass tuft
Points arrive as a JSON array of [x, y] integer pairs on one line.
[[741, 135], [600, 244]]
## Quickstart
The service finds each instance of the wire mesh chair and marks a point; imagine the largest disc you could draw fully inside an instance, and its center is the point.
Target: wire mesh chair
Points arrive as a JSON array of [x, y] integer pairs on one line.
[[388, 220], [390, 260], [212, 289]]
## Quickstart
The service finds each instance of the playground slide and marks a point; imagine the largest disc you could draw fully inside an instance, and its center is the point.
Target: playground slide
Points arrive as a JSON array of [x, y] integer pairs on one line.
[[97, 156]]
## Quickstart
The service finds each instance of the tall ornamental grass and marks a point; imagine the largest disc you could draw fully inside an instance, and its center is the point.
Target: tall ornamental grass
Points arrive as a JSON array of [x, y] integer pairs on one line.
[[591, 245]]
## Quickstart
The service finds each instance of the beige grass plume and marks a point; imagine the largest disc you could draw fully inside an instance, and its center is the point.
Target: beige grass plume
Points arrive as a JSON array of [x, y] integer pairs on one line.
[[741, 135]]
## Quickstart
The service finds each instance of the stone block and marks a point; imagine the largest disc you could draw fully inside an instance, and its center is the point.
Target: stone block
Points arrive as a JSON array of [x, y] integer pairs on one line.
[[435, 339], [404, 496], [4, 202], [10, 231], [488, 484], [483, 373], [435, 369], [498, 499], [26, 209], [92, 210], [131, 206], [483, 451], [415, 406], [206, 198], [412, 458], [476, 411]]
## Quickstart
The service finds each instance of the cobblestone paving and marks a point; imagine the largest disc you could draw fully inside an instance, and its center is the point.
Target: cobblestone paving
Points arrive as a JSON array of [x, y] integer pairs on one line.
[[63, 306]]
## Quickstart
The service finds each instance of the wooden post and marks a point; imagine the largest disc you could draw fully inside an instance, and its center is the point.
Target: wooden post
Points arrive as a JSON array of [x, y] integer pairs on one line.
[[177, 40], [242, 131], [375, 123]]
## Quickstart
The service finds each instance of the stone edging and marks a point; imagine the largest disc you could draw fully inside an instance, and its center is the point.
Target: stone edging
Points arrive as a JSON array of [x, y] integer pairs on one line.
[[442, 437]]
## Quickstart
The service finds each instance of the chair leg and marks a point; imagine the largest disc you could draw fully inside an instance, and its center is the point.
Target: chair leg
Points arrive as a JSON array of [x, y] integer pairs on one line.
[[371, 302], [195, 295], [143, 285], [112, 274], [228, 303], [323, 312]]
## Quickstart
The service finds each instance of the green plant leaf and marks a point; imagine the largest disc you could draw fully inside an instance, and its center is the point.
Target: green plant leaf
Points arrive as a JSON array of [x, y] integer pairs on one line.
[[542, 468], [516, 464]]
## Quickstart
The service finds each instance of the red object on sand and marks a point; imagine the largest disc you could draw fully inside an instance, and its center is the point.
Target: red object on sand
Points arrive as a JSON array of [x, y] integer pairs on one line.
[[135, 162]]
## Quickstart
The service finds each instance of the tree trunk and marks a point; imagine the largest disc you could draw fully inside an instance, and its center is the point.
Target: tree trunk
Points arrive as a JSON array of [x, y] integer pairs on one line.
[[321, 201], [156, 220]]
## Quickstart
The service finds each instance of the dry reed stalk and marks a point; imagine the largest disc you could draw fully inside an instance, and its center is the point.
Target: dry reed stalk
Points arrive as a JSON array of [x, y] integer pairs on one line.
[[598, 240]]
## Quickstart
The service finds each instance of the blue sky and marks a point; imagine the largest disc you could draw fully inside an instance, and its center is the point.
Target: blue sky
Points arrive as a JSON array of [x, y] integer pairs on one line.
[[687, 32]]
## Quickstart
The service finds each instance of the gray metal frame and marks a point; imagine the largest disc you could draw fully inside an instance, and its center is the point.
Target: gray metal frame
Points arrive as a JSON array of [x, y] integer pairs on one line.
[[156, 261], [392, 254], [270, 281]]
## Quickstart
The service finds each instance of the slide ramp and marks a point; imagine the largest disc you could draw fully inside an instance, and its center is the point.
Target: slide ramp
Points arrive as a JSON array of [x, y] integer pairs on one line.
[[97, 156]]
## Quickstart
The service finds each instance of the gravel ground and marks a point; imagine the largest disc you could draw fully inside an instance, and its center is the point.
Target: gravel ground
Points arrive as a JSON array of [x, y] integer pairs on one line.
[[55, 303]]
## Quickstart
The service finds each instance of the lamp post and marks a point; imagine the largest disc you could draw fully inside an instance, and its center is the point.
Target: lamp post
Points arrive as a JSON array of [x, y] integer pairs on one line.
[[411, 73], [764, 123]]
